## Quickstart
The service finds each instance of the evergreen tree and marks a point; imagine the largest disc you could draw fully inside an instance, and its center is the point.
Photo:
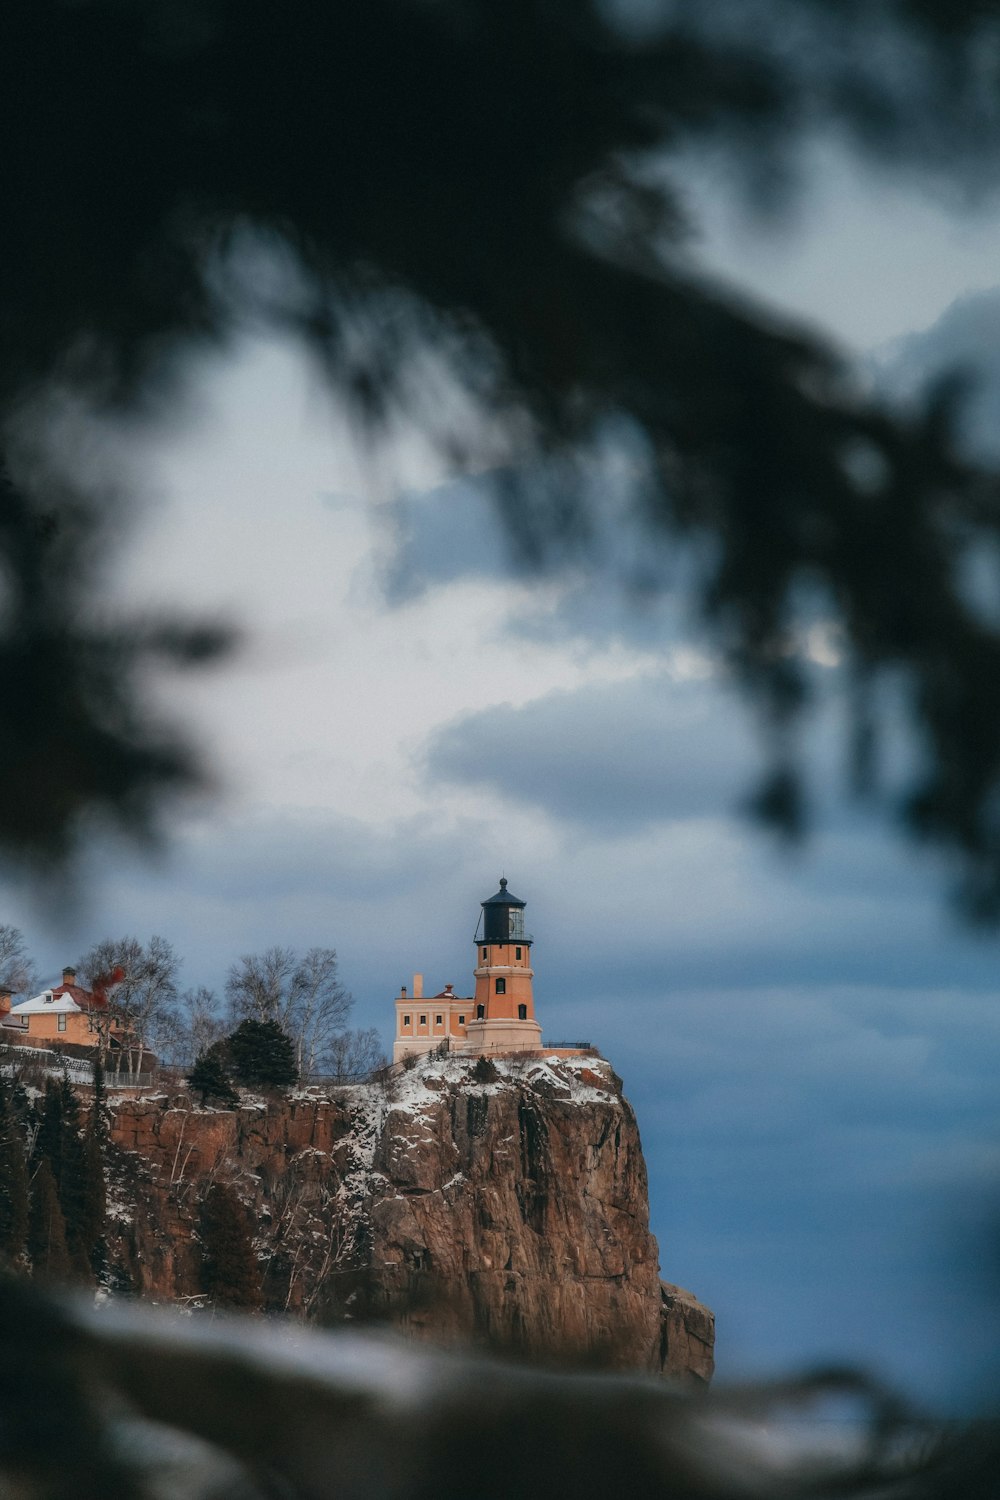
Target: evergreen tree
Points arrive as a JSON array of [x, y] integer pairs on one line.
[[485, 1071], [13, 1181], [230, 1273], [70, 1104], [98, 1122], [95, 1201], [47, 1227], [20, 1105], [74, 1160], [73, 1181], [49, 1142], [262, 1054], [210, 1079]]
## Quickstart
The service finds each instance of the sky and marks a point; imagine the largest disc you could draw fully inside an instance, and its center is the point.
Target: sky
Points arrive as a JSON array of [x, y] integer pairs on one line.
[[810, 1040]]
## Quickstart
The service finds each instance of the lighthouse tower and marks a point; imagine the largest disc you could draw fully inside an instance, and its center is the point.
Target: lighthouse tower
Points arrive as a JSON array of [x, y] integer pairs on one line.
[[503, 1008]]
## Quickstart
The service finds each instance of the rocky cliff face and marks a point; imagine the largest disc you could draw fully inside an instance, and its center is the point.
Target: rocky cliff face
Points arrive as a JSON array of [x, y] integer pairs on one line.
[[509, 1210]]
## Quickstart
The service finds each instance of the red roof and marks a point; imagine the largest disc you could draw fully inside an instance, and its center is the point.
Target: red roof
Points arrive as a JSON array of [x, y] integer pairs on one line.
[[85, 999], [97, 998]]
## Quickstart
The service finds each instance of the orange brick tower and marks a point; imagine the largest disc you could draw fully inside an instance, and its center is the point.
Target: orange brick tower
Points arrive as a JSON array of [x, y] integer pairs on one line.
[[503, 1009]]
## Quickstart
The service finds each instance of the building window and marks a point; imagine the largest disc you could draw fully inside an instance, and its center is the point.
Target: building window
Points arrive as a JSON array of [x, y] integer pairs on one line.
[[423, 1020], [406, 1020], [517, 953], [501, 986], [522, 1012], [515, 922], [461, 1020], [438, 1020], [485, 955], [61, 1021], [480, 1012]]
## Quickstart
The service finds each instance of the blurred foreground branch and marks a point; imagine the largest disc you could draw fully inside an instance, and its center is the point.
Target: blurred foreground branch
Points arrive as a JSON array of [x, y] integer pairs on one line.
[[153, 1406], [495, 184]]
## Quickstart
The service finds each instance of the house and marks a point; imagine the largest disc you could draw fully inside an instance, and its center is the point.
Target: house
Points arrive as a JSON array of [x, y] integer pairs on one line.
[[500, 1015], [65, 1013]]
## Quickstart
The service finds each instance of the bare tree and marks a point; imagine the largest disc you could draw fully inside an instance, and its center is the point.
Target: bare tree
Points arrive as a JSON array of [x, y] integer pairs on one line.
[[182, 1031], [355, 1054], [322, 1007], [260, 986], [304, 995], [141, 1003], [202, 1022], [16, 967]]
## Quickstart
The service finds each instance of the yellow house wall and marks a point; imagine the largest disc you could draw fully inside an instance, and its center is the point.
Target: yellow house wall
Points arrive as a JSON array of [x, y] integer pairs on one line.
[[422, 1036], [78, 1027]]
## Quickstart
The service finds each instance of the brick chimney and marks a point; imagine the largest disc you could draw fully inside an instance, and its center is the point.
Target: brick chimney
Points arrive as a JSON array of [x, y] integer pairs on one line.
[[69, 976], [5, 998], [418, 986]]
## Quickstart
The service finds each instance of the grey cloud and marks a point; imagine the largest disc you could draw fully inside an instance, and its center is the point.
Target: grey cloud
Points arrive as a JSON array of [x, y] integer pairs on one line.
[[438, 536], [625, 584], [613, 756], [965, 341]]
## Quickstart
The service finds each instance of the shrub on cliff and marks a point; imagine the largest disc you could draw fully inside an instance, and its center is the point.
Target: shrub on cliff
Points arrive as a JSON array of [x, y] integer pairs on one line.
[[229, 1271], [262, 1055], [210, 1078]]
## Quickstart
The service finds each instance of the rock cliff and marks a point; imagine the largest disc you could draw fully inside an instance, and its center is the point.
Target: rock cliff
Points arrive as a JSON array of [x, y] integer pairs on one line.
[[503, 1205]]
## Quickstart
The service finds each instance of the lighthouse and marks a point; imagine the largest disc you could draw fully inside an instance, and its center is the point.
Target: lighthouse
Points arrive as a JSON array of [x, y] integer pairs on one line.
[[503, 1013], [500, 1016]]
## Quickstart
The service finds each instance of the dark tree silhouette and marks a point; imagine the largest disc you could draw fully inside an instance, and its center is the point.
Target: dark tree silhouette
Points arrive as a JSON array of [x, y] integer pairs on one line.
[[47, 1246], [74, 1158], [13, 1180], [79, 1186], [98, 1104], [210, 1078], [493, 182], [94, 1207], [262, 1054], [230, 1274], [49, 1140]]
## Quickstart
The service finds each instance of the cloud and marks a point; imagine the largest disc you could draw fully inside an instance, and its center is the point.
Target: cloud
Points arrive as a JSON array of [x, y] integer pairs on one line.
[[965, 341], [440, 535], [613, 756], [611, 575]]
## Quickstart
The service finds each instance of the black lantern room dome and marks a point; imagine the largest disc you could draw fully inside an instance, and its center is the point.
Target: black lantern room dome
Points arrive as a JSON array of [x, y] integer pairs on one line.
[[503, 917]]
